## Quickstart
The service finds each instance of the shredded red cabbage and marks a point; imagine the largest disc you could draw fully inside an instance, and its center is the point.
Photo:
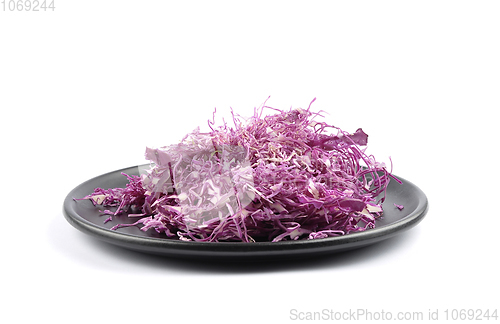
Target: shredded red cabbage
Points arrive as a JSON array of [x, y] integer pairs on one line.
[[400, 207], [284, 176]]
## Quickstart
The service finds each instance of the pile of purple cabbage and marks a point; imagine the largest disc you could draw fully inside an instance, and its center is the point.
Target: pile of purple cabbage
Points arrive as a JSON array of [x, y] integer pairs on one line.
[[281, 177]]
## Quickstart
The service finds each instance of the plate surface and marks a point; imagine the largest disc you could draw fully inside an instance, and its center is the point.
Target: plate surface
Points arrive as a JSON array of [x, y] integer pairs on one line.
[[87, 218]]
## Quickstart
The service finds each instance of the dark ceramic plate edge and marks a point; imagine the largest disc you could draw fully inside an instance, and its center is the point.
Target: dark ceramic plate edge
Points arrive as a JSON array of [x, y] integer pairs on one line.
[[238, 250]]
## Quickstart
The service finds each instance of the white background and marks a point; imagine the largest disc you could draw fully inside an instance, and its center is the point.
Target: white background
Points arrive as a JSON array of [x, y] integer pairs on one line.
[[86, 87]]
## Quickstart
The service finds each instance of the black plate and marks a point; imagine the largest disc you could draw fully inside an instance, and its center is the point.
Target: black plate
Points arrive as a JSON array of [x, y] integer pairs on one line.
[[87, 218]]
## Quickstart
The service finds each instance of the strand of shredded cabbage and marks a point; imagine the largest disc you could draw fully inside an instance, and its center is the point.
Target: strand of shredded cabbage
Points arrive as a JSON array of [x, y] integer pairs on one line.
[[284, 176]]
